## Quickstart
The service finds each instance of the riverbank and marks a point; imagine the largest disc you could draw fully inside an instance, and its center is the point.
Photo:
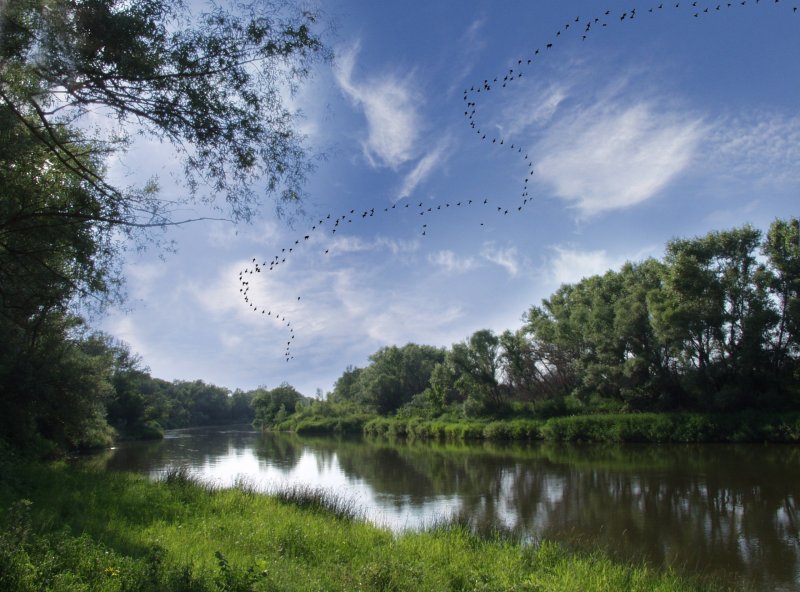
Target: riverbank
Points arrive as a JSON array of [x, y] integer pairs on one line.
[[67, 528], [659, 428]]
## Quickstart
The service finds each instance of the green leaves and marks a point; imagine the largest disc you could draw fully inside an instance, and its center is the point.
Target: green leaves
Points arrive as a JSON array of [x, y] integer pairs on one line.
[[209, 84], [275, 405], [710, 327]]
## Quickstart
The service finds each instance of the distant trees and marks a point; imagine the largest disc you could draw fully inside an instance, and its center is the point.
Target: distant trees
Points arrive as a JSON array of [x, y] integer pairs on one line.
[[393, 377], [273, 406]]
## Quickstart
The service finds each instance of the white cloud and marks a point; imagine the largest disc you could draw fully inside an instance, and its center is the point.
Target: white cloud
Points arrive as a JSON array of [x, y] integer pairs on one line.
[[523, 111], [508, 259], [572, 265], [762, 147], [424, 168], [390, 107], [412, 319], [612, 157], [471, 43], [124, 327], [263, 232], [451, 262], [354, 244], [141, 277]]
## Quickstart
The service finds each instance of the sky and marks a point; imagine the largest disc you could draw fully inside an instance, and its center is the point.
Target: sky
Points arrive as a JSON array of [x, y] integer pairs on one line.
[[472, 204]]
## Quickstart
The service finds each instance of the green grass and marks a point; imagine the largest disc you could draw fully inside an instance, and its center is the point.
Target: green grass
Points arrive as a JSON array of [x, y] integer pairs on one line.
[[675, 427], [621, 427], [86, 530]]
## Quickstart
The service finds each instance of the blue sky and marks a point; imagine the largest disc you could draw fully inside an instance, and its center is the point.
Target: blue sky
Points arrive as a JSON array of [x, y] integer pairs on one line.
[[661, 124]]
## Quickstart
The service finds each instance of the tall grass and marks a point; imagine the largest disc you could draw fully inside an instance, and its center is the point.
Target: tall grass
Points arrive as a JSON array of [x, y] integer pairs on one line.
[[319, 500], [675, 427], [628, 427]]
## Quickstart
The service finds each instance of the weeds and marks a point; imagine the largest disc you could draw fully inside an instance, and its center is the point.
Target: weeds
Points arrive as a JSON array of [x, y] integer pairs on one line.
[[318, 500]]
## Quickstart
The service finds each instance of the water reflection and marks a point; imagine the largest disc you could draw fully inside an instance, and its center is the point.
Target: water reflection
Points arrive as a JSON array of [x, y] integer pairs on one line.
[[718, 510]]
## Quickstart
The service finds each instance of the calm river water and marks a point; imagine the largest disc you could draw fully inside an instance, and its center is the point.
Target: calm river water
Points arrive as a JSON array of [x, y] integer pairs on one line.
[[727, 511]]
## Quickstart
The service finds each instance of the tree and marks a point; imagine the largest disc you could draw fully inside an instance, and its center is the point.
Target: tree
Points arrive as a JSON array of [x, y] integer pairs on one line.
[[396, 374], [48, 255], [347, 386], [782, 249], [52, 392], [195, 403], [715, 314], [210, 84], [273, 406], [241, 407], [475, 367], [132, 409]]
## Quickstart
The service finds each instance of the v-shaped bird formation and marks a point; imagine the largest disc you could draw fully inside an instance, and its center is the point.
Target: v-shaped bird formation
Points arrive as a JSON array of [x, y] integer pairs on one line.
[[580, 27]]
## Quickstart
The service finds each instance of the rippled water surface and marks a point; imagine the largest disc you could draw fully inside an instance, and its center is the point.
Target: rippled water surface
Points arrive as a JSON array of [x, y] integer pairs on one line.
[[727, 511]]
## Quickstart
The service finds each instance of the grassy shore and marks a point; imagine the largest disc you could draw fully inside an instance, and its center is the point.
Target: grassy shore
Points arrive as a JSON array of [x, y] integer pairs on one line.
[[630, 427], [70, 529]]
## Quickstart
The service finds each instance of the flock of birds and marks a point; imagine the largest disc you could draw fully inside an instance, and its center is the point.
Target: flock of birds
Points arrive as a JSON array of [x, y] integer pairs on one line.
[[582, 27]]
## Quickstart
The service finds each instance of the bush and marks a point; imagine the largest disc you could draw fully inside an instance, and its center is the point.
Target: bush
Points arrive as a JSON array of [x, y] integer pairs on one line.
[[517, 429], [674, 427]]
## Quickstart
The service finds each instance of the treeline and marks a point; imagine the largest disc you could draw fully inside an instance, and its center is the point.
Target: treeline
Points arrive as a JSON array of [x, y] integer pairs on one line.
[[70, 389], [714, 327]]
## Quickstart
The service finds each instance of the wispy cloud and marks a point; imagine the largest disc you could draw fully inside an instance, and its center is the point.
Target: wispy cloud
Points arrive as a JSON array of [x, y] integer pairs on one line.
[[570, 265], [142, 277], [531, 107], [263, 232], [424, 167], [762, 147], [615, 156], [355, 244], [471, 43], [508, 258], [390, 106], [451, 262]]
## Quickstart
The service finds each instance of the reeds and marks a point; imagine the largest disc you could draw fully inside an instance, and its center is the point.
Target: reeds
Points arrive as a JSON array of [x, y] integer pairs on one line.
[[319, 500]]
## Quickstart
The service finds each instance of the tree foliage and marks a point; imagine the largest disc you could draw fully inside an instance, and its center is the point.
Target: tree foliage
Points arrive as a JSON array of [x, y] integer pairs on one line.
[[274, 405], [210, 84], [78, 80], [396, 374]]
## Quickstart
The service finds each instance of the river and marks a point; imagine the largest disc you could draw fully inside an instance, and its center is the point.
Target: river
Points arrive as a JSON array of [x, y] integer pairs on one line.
[[723, 511]]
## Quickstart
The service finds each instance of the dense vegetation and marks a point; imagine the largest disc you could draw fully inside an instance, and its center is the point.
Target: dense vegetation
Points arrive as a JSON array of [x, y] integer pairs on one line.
[[713, 328]]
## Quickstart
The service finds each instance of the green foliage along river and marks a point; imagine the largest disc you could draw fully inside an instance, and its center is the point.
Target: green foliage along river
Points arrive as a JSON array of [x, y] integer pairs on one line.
[[726, 512]]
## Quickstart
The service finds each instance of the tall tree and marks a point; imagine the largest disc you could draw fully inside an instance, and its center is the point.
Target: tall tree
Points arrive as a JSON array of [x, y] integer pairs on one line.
[[396, 374], [210, 84], [272, 406], [782, 249], [714, 309], [475, 366]]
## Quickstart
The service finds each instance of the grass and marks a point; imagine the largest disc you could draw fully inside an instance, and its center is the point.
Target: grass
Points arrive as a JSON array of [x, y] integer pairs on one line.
[[628, 427], [70, 529], [675, 427]]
